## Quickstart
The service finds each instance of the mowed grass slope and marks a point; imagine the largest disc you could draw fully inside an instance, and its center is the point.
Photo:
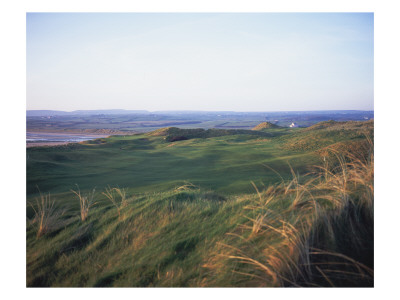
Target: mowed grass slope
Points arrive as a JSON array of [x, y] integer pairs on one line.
[[202, 212], [145, 163]]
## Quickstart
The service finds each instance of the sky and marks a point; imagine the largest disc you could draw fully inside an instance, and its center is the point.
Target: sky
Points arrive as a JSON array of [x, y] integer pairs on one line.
[[200, 61]]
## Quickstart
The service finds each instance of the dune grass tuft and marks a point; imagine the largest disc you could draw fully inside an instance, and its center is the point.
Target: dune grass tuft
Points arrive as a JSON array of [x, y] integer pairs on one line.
[[47, 216], [111, 194], [85, 201]]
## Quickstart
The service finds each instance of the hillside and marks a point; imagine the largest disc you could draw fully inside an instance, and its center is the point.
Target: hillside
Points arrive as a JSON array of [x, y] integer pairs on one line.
[[325, 134], [220, 208], [174, 133], [265, 125], [349, 125]]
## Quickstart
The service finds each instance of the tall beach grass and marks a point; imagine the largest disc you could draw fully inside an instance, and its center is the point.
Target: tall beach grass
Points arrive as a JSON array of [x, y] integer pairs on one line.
[[311, 231]]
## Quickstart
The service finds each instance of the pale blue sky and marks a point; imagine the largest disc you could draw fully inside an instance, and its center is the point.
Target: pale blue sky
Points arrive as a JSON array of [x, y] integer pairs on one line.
[[203, 61]]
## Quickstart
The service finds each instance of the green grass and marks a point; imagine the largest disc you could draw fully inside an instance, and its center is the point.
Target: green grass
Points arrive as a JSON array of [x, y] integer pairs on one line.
[[144, 163], [192, 215], [156, 236]]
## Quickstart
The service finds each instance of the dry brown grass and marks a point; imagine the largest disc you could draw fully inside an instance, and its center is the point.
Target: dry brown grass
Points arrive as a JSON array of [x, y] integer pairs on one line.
[[85, 201], [312, 231], [47, 217], [112, 195], [187, 186]]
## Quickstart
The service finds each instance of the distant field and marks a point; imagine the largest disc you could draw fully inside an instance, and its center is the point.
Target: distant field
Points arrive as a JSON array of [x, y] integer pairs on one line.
[[116, 123]]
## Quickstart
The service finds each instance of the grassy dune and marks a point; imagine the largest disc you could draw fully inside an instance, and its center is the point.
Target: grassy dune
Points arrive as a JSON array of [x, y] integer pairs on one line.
[[150, 163], [229, 210]]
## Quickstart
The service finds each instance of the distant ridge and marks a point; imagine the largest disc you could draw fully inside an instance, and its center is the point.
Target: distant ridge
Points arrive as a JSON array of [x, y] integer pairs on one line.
[[348, 125], [338, 114], [265, 125], [162, 131], [45, 113]]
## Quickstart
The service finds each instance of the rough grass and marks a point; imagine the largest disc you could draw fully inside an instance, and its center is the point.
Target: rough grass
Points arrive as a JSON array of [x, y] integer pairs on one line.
[[47, 216], [310, 231], [309, 227], [324, 134], [85, 202], [159, 240], [315, 231]]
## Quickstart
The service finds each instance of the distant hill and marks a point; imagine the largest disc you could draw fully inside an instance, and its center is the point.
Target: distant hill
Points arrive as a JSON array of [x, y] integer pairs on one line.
[[108, 112], [45, 113], [265, 125], [162, 131]]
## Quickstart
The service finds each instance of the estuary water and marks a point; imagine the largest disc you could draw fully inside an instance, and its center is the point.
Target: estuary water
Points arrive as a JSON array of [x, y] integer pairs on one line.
[[44, 137]]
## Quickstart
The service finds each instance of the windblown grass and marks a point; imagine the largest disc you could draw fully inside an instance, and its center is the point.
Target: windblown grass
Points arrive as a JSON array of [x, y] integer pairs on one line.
[[315, 231], [47, 217], [85, 202], [112, 193], [310, 229]]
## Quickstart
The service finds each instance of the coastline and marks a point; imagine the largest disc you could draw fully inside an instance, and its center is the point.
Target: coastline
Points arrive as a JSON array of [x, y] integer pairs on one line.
[[48, 144], [89, 134], [58, 143]]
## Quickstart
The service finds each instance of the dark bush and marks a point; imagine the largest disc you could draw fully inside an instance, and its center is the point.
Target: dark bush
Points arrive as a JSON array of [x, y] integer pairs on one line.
[[175, 138]]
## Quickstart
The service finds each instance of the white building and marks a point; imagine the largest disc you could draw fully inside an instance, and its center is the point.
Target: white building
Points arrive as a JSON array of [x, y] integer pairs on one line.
[[293, 125]]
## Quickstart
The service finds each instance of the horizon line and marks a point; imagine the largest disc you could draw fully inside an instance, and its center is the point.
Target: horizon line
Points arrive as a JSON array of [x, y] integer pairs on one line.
[[194, 110]]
